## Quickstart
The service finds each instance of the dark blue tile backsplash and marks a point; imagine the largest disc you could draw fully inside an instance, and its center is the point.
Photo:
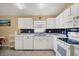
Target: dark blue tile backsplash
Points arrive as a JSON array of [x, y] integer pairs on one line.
[[54, 30], [73, 30], [62, 30], [26, 30], [66, 30]]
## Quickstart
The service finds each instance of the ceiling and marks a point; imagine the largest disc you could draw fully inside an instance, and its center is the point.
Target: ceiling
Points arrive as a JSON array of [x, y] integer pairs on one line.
[[32, 9]]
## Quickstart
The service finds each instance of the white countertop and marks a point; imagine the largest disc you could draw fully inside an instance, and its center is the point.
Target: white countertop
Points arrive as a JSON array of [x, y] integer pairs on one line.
[[37, 35], [46, 34]]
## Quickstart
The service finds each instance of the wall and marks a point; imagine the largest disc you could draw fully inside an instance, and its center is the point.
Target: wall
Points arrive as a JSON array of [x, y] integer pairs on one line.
[[8, 30]]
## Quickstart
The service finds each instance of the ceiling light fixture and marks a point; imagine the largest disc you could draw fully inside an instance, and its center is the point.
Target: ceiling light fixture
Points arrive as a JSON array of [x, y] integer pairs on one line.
[[41, 5], [20, 5]]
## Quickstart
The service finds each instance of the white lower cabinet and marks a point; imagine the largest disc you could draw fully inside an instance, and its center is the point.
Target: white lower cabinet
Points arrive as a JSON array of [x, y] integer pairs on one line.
[[28, 42], [43, 43], [55, 43], [23, 42], [40, 43], [36, 43], [19, 43], [33, 42], [49, 42]]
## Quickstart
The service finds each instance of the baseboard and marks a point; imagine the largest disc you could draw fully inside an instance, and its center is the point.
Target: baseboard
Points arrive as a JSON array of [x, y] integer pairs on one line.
[[35, 49]]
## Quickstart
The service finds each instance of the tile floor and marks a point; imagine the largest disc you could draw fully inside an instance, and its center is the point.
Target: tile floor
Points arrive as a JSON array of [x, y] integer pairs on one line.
[[12, 52]]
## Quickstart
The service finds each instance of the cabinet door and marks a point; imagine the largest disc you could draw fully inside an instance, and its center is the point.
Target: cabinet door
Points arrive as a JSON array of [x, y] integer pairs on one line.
[[43, 43], [28, 42], [51, 23], [67, 13], [25, 23], [40, 43], [76, 22], [69, 22], [36, 43], [59, 21], [18, 42], [49, 42], [54, 43], [75, 9]]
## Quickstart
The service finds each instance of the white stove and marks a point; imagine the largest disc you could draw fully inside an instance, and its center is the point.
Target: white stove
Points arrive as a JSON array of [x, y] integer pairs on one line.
[[66, 46]]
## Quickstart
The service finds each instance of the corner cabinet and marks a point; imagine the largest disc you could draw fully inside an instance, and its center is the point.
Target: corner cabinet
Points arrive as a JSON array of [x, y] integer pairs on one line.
[[25, 23]]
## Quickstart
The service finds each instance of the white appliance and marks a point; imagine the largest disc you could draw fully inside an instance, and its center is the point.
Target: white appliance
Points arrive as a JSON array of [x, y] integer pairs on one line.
[[64, 49], [66, 46], [75, 36]]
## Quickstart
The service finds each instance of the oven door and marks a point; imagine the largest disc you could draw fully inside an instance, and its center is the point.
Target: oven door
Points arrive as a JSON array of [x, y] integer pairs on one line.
[[63, 49]]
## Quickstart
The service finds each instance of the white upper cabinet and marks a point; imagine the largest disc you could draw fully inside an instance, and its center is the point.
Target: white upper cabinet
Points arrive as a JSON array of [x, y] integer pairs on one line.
[[75, 14], [40, 42], [25, 23], [51, 23], [67, 13], [59, 21], [65, 20], [75, 9]]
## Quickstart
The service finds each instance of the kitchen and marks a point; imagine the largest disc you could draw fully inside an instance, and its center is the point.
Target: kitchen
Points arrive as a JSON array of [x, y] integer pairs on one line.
[[50, 29]]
